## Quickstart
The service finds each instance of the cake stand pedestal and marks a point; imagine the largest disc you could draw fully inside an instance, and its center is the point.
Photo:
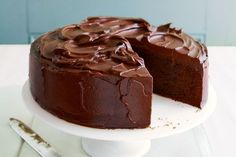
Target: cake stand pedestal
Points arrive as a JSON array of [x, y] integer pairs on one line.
[[168, 118], [103, 148]]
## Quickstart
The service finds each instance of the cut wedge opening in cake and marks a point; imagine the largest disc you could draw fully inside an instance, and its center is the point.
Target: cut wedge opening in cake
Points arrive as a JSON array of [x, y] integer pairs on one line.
[[177, 63]]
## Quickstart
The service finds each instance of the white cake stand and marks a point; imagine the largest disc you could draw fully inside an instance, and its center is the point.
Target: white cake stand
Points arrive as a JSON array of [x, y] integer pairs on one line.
[[168, 118]]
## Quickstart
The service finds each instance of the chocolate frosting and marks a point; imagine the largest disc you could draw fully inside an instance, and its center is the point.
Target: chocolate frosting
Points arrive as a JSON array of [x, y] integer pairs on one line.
[[164, 35], [94, 44], [109, 53], [126, 27], [176, 39]]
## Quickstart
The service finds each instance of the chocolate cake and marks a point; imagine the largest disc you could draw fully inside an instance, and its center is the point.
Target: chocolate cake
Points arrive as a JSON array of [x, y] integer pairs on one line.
[[101, 72]]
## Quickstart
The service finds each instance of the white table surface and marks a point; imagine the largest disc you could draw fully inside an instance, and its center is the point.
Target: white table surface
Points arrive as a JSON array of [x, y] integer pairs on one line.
[[214, 138]]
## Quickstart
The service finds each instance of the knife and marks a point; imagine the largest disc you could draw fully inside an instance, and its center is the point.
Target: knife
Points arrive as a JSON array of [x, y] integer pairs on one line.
[[33, 139]]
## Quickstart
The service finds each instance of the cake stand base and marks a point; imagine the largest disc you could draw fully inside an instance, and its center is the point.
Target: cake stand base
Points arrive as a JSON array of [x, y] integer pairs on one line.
[[168, 118], [102, 148]]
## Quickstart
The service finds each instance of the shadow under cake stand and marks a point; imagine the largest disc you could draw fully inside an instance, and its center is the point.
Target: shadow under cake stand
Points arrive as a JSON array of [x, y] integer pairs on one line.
[[168, 118]]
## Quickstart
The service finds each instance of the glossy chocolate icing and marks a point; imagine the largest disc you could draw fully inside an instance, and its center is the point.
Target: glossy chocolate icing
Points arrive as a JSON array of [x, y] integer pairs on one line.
[[109, 54], [171, 38], [131, 28], [88, 73]]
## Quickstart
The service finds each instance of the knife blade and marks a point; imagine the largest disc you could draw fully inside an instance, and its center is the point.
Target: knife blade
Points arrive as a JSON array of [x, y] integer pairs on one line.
[[33, 139]]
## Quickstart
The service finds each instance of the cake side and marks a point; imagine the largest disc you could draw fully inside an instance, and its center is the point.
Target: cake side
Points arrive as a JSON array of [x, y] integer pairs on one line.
[[102, 84]]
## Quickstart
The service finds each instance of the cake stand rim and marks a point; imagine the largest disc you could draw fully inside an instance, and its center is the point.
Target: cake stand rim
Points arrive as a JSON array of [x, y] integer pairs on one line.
[[110, 134]]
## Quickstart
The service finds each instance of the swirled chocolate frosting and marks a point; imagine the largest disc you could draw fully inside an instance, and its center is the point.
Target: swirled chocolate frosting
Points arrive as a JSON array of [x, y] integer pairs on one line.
[[108, 53], [80, 45], [163, 36], [126, 27], [172, 38]]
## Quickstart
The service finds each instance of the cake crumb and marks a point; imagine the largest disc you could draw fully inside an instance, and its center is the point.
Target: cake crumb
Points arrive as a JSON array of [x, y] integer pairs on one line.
[[167, 125], [152, 127], [198, 110]]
